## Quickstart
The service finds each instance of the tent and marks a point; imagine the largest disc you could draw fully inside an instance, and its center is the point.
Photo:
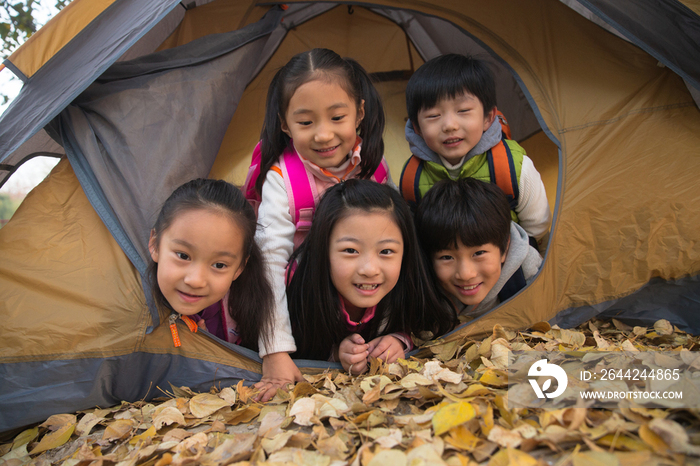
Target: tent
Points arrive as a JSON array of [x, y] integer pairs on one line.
[[138, 97]]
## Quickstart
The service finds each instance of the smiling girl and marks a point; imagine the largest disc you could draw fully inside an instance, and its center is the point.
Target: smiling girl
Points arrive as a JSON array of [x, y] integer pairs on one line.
[[206, 267], [361, 285], [323, 124]]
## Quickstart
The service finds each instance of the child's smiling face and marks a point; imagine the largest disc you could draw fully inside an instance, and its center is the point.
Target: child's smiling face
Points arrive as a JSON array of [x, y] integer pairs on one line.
[[322, 119], [198, 257], [366, 251], [453, 126], [468, 273]]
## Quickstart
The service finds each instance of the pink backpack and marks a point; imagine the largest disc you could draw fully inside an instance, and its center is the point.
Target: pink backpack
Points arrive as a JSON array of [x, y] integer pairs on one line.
[[301, 187]]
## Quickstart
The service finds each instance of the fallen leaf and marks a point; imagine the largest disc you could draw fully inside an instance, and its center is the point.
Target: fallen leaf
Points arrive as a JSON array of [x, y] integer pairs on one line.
[[206, 404], [119, 429], [663, 327], [413, 379], [228, 394], [510, 456], [87, 422], [147, 434], [54, 439], [168, 416], [494, 378], [452, 415], [304, 411], [242, 415], [505, 437], [462, 438], [25, 437]]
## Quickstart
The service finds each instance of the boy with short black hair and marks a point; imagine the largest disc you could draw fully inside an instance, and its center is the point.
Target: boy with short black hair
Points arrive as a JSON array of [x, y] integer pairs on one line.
[[454, 133], [479, 256]]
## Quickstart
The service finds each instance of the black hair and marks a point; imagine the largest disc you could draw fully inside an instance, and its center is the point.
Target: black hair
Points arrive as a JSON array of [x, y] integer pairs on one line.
[[449, 76], [251, 298], [469, 210], [321, 64], [413, 305]]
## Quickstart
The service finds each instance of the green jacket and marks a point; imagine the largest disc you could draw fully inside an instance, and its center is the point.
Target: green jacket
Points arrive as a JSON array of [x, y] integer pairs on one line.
[[429, 173]]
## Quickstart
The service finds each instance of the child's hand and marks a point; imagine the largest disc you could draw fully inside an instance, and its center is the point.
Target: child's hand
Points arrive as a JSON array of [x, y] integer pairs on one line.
[[352, 353], [278, 370], [388, 348], [202, 325]]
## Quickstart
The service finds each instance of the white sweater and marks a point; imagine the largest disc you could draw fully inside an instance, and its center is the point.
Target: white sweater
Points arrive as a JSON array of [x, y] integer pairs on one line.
[[275, 236]]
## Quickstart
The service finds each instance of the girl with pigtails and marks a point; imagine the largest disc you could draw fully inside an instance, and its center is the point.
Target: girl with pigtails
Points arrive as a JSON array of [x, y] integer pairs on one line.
[[323, 124]]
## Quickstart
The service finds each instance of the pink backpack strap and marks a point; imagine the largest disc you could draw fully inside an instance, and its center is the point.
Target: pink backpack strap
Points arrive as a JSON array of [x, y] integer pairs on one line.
[[301, 189], [381, 174], [253, 173]]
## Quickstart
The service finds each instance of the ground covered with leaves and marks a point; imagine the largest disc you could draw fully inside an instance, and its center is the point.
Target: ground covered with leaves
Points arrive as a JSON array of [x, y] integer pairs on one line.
[[447, 406]]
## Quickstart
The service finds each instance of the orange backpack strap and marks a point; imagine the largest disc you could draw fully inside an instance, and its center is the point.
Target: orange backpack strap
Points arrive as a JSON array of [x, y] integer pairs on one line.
[[505, 127], [409, 180], [502, 171]]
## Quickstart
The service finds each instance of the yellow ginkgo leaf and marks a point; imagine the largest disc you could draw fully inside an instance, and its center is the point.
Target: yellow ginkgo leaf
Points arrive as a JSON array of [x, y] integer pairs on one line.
[[25, 437], [452, 415], [510, 456], [476, 389], [494, 378], [149, 433], [461, 438], [622, 442], [652, 439], [54, 439]]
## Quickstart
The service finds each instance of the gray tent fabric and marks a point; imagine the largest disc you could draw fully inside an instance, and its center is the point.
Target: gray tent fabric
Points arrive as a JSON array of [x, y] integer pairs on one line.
[[125, 171], [134, 376], [77, 65], [642, 23]]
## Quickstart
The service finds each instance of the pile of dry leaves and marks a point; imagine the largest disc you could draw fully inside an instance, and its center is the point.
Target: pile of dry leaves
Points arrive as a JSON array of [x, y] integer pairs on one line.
[[447, 406]]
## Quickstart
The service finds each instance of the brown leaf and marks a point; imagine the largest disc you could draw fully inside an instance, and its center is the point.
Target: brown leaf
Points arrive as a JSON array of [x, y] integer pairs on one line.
[[543, 327], [58, 421], [242, 415]]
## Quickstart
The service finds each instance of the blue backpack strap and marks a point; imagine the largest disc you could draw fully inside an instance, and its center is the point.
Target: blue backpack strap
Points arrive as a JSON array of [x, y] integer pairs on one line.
[[408, 183], [514, 284], [502, 171]]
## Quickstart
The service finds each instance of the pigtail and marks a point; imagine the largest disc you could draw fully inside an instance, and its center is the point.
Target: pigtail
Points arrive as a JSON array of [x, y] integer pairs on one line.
[[273, 140], [372, 125], [251, 301]]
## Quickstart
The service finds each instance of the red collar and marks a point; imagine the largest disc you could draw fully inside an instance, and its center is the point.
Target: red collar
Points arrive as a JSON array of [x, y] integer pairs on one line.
[[366, 317]]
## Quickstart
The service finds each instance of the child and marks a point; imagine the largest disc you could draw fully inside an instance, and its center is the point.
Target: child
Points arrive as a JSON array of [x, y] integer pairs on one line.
[[206, 265], [361, 285], [453, 133], [480, 257], [316, 105]]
